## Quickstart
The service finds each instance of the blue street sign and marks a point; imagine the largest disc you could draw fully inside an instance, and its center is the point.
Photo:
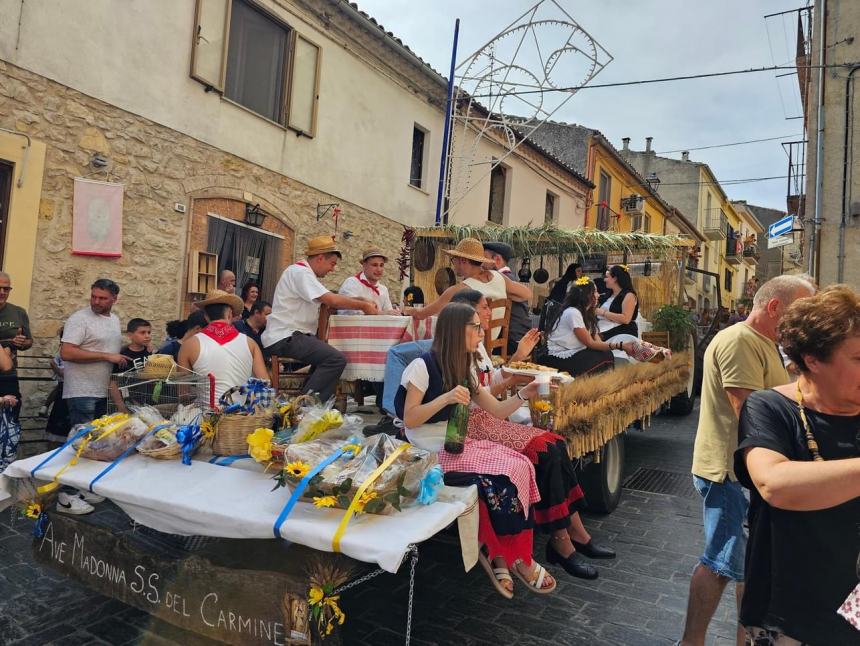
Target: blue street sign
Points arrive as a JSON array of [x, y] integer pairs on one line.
[[781, 227]]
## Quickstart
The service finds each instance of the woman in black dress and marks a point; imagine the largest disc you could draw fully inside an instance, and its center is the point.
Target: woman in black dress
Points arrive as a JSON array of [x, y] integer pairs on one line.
[[799, 455]]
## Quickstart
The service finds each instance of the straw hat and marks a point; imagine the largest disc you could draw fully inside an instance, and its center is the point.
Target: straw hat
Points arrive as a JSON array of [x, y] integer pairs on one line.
[[373, 252], [468, 248], [219, 296], [322, 244]]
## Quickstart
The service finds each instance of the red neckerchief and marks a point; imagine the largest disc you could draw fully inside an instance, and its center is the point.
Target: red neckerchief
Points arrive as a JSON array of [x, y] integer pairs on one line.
[[302, 263], [366, 283], [221, 332]]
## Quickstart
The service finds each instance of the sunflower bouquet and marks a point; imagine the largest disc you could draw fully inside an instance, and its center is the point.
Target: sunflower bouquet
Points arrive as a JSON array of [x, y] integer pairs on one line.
[[406, 479]]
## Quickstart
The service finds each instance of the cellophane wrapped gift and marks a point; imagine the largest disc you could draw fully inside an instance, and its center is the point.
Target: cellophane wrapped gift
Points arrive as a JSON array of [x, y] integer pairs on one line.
[[400, 484], [129, 430]]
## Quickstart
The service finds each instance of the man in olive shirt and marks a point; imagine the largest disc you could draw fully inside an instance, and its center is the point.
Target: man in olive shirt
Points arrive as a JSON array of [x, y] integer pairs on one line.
[[741, 359], [15, 335]]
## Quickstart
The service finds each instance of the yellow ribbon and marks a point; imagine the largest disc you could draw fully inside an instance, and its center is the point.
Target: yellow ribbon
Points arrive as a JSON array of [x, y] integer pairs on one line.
[[110, 424], [335, 542]]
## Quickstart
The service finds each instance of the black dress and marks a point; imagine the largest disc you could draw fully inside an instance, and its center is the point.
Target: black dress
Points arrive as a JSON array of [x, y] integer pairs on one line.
[[800, 565]]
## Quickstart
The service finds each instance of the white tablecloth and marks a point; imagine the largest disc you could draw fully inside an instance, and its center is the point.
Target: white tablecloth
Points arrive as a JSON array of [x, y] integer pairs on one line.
[[209, 500], [365, 341]]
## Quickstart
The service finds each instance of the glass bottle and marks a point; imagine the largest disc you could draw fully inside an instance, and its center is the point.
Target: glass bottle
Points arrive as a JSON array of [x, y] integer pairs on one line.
[[455, 431], [540, 406]]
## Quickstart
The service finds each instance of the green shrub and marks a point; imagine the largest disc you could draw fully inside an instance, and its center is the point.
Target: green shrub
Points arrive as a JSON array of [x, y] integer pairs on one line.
[[677, 322]]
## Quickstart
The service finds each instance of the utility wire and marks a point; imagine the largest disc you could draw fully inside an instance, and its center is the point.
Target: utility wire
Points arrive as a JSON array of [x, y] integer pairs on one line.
[[724, 182], [735, 143], [668, 79]]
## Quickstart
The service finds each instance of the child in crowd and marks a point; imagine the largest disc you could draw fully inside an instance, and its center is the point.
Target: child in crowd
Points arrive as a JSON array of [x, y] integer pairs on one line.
[[139, 347]]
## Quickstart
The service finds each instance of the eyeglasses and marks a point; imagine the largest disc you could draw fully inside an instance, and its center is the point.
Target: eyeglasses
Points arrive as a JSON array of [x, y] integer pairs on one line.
[[476, 326], [5, 289]]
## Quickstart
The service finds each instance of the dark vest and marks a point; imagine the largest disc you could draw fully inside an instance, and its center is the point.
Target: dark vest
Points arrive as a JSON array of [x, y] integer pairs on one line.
[[616, 308], [434, 389]]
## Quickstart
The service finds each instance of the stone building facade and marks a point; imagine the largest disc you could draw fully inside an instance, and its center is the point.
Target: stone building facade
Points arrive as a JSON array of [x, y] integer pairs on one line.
[[159, 168]]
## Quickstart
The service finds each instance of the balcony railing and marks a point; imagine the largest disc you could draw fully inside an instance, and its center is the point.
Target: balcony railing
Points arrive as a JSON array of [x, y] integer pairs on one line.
[[751, 254], [716, 225]]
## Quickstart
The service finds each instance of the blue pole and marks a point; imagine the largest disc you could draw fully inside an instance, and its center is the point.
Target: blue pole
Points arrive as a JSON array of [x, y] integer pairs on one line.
[[443, 162]]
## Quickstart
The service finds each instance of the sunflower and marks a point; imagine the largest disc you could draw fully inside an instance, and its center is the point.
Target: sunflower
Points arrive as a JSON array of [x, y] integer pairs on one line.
[[542, 405], [325, 501], [33, 510], [366, 497], [315, 595], [297, 470], [583, 280]]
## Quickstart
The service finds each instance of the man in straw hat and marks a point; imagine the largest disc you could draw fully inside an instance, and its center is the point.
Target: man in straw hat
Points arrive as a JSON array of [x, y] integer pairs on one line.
[[499, 254], [468, 259], [220, 349], [292, 325], [366, 283]]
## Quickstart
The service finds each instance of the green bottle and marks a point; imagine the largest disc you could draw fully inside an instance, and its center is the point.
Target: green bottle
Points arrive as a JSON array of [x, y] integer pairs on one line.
[[455, 432]]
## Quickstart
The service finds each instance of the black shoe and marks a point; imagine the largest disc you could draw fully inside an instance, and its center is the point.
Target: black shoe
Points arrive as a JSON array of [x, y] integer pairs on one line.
[[594, 551], [385, 425], [573, 564]]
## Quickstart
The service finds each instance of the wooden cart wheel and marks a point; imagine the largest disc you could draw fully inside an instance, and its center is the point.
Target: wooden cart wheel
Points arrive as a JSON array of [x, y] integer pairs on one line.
[[424, 254]]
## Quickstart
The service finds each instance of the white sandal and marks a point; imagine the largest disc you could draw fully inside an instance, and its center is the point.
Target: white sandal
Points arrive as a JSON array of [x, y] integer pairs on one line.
[[497, 575], [536, 584]]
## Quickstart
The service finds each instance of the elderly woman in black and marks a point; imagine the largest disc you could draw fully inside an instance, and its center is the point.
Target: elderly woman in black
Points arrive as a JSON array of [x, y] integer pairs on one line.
[[617, 313], [799, 454]]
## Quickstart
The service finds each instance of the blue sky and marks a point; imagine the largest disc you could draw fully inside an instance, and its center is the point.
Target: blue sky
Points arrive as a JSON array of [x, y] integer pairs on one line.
[[651, 39]]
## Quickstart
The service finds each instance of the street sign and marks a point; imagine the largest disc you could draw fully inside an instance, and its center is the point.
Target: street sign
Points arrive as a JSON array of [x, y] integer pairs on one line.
[[779, 241], [781, 227]]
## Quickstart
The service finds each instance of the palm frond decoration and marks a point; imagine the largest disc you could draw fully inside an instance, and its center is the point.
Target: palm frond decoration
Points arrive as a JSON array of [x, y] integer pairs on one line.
[[548, 240]]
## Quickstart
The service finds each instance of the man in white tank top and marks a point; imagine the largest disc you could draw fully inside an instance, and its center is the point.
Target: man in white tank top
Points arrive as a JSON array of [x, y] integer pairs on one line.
[[220, 349], [468, 259]]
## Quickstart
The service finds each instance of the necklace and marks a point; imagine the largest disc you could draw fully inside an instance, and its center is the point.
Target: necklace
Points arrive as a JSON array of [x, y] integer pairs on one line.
[[811, 444]]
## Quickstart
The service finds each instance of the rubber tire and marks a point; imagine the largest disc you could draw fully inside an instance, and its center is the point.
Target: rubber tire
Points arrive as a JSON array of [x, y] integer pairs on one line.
[[602, 481], [683, 403]]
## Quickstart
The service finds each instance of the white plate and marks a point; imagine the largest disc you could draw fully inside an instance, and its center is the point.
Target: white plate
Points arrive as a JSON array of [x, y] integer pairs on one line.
[[530, 372]]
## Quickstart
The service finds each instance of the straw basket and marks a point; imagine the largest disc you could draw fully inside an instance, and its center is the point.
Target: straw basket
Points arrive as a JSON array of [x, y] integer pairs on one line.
[[157, 366], [232, 431], [172, 452]]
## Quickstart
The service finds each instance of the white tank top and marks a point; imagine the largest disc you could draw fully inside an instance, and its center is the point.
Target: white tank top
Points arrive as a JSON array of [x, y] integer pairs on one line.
[[493, 290], [231, 363]]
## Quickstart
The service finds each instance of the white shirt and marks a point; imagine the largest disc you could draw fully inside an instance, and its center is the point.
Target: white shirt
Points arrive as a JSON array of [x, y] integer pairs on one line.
[[295, 307], [604, 324], [430, 436], [230, 364], [494, 289], [562, 341], [353, 287], [97, 333]]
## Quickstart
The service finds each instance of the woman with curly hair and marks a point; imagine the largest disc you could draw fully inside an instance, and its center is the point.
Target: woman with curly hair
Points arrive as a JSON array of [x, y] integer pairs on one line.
[[573, 344], [799, 455], [618, 311]]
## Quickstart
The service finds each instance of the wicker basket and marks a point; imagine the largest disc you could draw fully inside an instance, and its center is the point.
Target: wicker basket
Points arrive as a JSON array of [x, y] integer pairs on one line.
[[232, 431], [172, 452]]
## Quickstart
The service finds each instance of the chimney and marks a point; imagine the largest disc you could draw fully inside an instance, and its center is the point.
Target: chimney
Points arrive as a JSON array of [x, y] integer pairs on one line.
[[648, 141], [626, 142], [685, 156]]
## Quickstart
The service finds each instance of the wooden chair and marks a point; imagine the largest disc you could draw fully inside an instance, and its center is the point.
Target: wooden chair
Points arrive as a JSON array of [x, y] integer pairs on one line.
[[290, 375], [501, 341]]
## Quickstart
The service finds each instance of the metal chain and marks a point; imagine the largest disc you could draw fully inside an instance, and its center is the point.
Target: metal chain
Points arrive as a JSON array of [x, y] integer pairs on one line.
[[411, 593], [358, 581]]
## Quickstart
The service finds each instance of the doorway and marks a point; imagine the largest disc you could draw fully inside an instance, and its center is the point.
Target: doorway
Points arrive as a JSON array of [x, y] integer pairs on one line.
[[6, 172]]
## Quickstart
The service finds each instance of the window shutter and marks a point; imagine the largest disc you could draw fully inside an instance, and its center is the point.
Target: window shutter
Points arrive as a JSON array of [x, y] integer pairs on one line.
[[209, 43], [304, 86]]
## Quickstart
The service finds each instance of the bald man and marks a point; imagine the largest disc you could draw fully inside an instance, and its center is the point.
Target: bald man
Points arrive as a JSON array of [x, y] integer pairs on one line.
[[227, 281]]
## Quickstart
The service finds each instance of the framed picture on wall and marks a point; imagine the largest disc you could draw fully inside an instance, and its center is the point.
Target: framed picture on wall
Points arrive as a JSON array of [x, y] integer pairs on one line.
[[97, 218]]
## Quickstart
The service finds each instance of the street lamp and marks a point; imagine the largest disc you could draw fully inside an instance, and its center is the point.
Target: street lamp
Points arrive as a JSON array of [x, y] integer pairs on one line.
[[653, 181], [254, 216]]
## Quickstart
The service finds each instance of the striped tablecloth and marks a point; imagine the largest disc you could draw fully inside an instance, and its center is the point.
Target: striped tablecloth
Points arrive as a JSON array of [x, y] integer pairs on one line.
[[365, 341]]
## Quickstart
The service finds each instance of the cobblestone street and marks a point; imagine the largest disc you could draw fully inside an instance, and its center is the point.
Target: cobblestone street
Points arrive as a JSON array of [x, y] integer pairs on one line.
[[639, 598]]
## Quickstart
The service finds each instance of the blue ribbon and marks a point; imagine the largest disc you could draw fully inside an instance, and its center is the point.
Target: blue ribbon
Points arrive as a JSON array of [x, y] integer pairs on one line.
[[41, 525], [254, 391], [303, 484], [125, 454], [68, 443], [226, 460], [188, 436], [428, 490]]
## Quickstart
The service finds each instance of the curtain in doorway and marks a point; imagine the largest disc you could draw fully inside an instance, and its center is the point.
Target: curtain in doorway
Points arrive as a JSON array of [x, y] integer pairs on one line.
[[270, 267], [247, 244], [235, 244]]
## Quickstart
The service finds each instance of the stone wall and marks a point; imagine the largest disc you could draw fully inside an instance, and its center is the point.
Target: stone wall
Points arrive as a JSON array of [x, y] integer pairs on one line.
[[159, 168]]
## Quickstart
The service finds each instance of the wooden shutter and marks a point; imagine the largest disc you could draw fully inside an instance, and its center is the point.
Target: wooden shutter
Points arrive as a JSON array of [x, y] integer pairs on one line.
[[304, 86], [209, 42]]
